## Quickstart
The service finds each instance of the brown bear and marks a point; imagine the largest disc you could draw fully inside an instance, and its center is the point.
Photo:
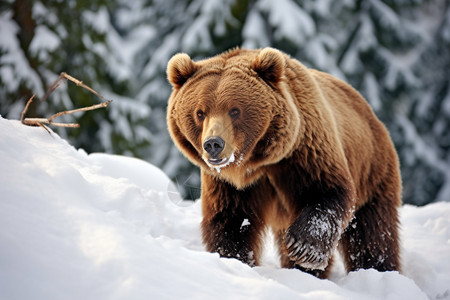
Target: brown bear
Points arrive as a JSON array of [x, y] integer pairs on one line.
[[286, 147]]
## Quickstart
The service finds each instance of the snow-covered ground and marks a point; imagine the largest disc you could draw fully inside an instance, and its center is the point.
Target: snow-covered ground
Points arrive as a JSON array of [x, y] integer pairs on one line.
[[79, 226]]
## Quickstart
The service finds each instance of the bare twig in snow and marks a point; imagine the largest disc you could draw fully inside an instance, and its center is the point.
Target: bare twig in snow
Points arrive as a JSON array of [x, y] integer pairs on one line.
[[26, 107], [52, 88]]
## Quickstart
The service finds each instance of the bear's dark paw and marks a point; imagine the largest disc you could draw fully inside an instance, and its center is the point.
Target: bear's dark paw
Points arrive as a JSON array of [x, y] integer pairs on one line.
[[233, 251], [310, 242]]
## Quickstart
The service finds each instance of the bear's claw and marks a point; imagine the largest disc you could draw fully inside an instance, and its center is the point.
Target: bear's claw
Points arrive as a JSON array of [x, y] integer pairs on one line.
[[307, 250], [289, 244], [308, 256]]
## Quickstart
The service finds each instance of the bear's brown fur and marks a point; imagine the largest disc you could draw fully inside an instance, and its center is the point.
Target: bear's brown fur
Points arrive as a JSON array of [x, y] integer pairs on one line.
[[290, 148]]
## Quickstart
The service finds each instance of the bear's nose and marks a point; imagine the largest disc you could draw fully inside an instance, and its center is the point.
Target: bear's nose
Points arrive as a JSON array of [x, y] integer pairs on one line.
[[214, 145]]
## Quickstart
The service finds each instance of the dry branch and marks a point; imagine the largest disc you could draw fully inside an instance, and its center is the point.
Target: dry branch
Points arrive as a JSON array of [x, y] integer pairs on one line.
[[52, 88]]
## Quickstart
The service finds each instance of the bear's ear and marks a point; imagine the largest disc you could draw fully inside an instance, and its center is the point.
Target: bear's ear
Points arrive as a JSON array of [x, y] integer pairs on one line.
[[179, 68], [270, 65]]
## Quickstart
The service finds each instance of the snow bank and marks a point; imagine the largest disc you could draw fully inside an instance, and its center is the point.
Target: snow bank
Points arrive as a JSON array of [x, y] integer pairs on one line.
[[79, 226]]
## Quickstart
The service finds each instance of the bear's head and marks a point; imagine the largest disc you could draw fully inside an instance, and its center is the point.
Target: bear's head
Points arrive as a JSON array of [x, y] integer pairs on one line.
[[232, 114]]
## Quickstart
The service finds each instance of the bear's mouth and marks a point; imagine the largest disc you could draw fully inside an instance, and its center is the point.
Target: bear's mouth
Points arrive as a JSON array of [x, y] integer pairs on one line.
[[217, 162]]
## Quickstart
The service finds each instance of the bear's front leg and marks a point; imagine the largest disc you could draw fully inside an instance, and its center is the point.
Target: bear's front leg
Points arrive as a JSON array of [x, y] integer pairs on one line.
[[313, 237], [229, 226]]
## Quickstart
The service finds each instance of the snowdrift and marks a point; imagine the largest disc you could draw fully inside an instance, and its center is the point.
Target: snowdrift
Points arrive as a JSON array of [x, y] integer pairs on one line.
[[79, 226]]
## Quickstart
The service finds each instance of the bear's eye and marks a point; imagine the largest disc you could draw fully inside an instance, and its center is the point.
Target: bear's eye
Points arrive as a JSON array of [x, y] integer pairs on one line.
[[200, 115], [234, 112]]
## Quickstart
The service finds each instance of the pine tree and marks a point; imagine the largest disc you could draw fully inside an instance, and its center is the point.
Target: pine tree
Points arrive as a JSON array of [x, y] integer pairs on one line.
[[41, 39], [426, 120], [391, 68]]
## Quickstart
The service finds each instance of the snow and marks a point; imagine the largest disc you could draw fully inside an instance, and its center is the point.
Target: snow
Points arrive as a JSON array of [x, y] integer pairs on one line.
[[252, 30], [290, 21], [371, 87], [211, 14], [98, 226], [120, 62], [44, 42], [197, 35]]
